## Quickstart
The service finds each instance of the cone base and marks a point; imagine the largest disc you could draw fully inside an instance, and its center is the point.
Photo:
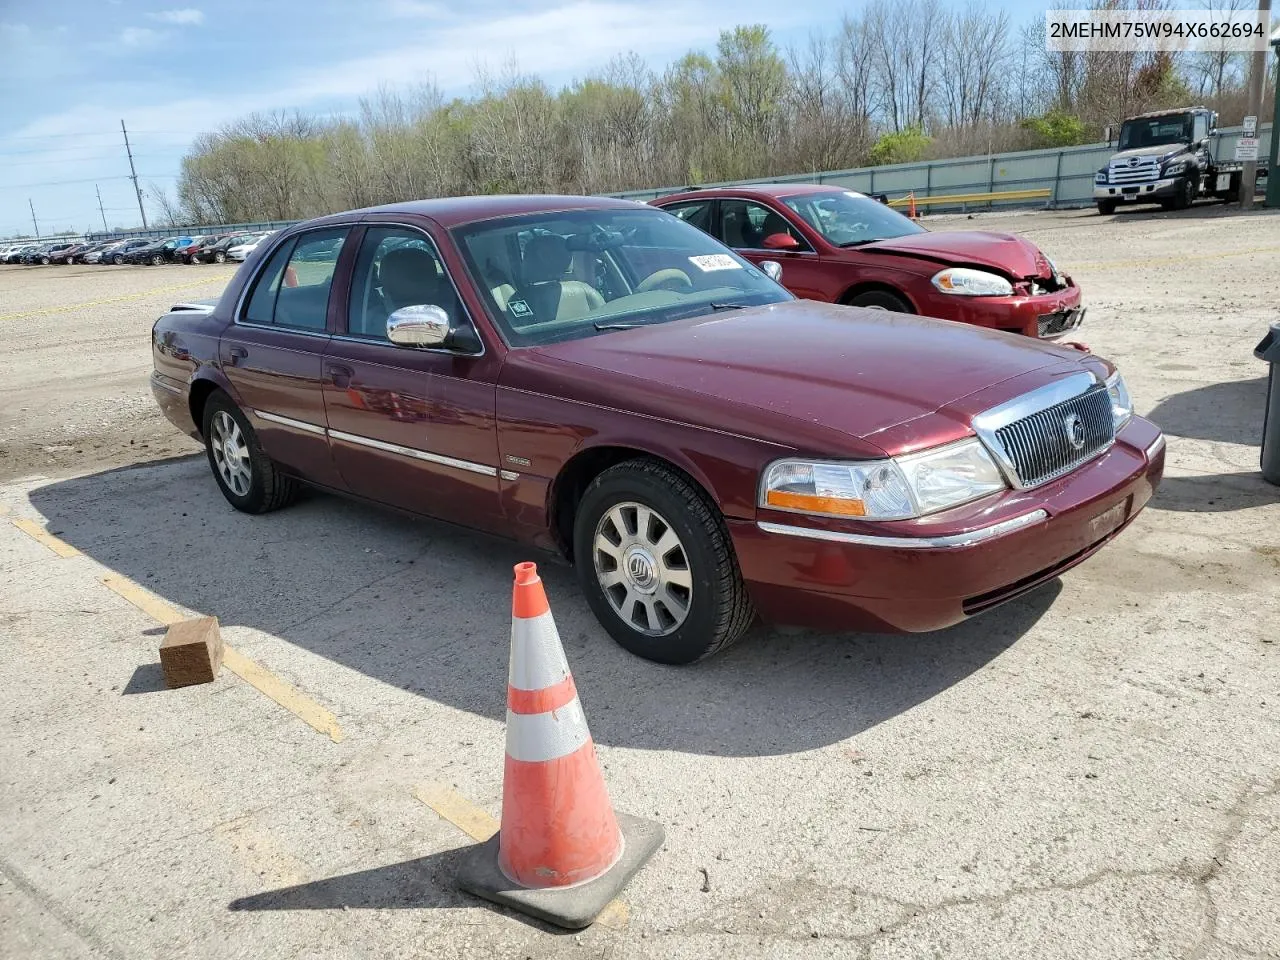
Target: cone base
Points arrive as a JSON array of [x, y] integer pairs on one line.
[[570, 907]]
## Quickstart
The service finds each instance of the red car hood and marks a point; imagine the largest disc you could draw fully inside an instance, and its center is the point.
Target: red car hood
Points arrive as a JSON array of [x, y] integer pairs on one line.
[[1012, 255], [802, 374]]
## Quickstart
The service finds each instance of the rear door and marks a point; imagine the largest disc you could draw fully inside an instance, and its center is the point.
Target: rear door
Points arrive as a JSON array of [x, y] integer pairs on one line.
[[274, 351], [410, 426]]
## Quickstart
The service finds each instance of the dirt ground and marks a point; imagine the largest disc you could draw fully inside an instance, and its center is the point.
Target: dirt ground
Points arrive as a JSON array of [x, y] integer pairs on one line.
[[1091, 771]]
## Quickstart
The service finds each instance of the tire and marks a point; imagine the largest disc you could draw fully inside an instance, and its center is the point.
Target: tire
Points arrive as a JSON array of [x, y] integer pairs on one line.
[[639, 504], [70, 261], [880, 300], [247, 477], [1106, 207], [117, 260], [219, 257], [44, 261], [156, 259], [1186, 194]]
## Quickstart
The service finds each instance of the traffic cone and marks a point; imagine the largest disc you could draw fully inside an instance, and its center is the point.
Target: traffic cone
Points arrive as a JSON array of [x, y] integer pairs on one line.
[[911, 205], [561, 853]]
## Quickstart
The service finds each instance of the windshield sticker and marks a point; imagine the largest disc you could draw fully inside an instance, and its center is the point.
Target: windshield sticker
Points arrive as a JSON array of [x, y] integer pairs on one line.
[[715, 261], [518, 308]]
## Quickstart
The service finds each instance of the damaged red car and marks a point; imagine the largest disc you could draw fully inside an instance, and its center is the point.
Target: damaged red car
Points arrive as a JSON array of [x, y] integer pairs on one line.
[[844, 247]]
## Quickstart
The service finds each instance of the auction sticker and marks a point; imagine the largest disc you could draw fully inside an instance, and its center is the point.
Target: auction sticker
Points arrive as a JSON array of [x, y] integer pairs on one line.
[[715, 261]]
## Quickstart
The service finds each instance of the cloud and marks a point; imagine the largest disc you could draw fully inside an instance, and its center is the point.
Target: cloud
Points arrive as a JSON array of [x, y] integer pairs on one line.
[[134, 38], [185, 17]]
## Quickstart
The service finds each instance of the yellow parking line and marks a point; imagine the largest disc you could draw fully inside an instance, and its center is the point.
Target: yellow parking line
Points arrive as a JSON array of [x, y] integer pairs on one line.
[[121, 299], [479, 826], [458, 810], [41, 535], [248, 670]]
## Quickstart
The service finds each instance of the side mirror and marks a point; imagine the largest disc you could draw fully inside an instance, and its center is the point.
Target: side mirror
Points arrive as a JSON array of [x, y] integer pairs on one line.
[[419, 325], [780, 241], [772, 269]]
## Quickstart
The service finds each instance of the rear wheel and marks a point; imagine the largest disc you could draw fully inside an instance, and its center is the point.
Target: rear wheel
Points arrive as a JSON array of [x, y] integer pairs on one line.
[[880, 300], [655, 560], [1106, 207], [247, 477]]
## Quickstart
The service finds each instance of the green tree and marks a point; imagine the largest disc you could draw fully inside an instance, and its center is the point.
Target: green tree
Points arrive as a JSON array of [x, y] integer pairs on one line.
[[1057, 128], [905, 147]]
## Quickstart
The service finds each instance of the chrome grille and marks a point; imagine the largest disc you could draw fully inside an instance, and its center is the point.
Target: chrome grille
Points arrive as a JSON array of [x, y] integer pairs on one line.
[[1146, 169], [1039, 446]]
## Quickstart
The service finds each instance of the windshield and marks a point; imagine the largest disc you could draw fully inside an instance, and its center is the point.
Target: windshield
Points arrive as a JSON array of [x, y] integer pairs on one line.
[[848, 219], [549, 277], [1155, 131]]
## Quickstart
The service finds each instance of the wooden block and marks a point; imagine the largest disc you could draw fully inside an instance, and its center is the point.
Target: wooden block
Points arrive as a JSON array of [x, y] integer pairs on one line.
[[191, 652]]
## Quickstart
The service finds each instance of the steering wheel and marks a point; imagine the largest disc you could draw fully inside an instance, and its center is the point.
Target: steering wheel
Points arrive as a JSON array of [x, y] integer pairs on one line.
[[668, 279]]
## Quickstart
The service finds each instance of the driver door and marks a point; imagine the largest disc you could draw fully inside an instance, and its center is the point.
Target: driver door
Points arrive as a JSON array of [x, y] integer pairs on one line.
[[413, 427]]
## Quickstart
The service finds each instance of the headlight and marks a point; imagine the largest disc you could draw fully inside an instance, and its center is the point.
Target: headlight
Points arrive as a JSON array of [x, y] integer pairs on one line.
[[895, 489], [1100, 177], [972, 283], [1121, 403], [1175, 168]]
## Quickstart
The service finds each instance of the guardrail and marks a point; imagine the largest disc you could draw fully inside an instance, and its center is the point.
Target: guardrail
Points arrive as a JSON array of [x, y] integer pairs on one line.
[[911, 200]]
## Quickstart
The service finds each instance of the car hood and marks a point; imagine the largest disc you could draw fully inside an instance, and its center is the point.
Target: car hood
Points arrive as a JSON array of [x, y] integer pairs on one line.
[[802, 374], [1012, 255]]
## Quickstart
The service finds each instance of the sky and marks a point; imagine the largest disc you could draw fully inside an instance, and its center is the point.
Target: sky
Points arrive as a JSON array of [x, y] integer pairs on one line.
[[71, 71]]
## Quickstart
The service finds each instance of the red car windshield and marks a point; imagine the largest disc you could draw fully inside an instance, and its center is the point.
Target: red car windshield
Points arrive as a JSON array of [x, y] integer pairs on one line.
[[558, 276], [849, 219]]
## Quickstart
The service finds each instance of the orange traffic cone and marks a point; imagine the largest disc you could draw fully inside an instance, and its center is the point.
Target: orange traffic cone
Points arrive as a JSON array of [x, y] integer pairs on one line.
[[561, 853], [911, 205]]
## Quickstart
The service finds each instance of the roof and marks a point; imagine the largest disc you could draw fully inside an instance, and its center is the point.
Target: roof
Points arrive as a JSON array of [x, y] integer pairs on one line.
[[455, 211], [1165, 113], [776, 190]]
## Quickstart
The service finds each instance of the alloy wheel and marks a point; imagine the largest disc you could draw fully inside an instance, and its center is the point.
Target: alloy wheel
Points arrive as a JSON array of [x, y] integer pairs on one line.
[[231, 453], [642, 568]]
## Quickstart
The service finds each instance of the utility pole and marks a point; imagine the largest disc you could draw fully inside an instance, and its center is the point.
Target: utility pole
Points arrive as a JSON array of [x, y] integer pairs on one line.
[[100, 210], [33, 217], [133, 173], [1257, 71]]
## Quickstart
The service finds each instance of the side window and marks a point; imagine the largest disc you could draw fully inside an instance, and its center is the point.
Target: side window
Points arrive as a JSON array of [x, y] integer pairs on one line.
[[262, 302], [697, 212], [397, 267], [1201, 129], [292, 290], [744, 224]]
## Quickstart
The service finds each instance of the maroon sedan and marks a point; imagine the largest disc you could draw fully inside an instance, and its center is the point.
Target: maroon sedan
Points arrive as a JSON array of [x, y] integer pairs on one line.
[[843, 247], [599, 378]]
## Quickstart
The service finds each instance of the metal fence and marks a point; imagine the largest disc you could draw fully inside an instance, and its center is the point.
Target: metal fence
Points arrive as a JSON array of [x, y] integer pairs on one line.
[[1066, 172]]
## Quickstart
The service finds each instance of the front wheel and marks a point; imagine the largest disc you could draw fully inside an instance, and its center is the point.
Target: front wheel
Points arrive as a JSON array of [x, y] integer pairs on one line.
[[1186, 194], [44, 261], [655, 560], [880, 300], [117, 260], [247, 477], [219, 257], [1106, 207], [157, 259]]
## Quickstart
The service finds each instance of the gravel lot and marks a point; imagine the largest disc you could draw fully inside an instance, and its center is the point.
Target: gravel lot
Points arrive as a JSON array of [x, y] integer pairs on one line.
[[1090, 772]]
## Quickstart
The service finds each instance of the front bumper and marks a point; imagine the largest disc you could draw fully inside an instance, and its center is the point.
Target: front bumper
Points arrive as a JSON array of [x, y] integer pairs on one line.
[[1137, 192], [920, 575], [1045, 316]]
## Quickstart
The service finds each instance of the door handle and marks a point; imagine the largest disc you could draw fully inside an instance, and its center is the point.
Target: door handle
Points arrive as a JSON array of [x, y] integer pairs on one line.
[[340, 374]]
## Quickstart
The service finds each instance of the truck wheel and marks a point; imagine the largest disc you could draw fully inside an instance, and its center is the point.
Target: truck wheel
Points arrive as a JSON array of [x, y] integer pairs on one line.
[[1106, 207], [247, 477], [656, 564], [1185, 195]]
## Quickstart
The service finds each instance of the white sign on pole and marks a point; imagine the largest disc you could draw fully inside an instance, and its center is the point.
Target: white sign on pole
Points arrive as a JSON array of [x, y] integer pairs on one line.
[[1247, 148], [1250, 126]]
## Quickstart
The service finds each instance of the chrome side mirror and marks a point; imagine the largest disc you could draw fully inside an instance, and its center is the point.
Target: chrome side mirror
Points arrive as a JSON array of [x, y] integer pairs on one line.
[[772, 269], [419, 325]]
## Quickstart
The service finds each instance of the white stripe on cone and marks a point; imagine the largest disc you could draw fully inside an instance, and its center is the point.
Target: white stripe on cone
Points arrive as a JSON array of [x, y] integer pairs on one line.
[[537, 659], [536, 737]]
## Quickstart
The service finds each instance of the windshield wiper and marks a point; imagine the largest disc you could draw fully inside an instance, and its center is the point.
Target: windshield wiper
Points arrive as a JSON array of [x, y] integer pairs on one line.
[[617, 326], [858, 243], [721, 305]]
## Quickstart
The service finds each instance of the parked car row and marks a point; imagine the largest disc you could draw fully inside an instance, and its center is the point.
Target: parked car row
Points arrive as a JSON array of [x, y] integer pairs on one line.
[[211, 248]]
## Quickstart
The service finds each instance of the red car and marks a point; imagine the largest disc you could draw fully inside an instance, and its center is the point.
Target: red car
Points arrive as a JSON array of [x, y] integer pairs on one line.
[[843, 247], [597, 377]]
